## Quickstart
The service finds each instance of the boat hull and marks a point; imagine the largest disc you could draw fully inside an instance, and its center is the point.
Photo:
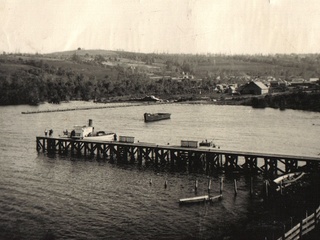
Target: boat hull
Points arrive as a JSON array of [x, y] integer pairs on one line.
[[102, 136], [108, 137], [199, 199], [149, 117], [287, 180]]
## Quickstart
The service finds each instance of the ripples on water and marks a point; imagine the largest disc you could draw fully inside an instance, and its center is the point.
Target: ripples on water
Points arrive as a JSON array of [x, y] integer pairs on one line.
[[89, 199]]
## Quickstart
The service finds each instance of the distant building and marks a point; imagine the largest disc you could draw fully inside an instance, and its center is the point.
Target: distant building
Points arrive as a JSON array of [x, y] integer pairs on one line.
[[274, 83], [277, 86], [221, 88], [297, 81], [313, 80], [232, 90], [255, 88]]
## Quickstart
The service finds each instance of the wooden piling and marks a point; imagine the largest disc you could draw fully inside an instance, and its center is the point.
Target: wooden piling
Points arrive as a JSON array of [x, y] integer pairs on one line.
[[301, 228], [251, 185], [196, 186], [267, 188], [235, 187], [209, 186], [221, 185]]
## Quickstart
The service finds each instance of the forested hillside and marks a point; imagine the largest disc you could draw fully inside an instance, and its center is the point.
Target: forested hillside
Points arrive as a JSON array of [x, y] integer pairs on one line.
[[34, 79], [97, 74]]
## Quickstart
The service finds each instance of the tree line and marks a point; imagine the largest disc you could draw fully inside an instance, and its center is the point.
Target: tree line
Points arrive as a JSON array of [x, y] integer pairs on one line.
[[40, 82], [32, 79], [297, 101]]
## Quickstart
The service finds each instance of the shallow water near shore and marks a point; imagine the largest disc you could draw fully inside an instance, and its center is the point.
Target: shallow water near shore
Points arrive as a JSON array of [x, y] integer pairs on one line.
[[76, 198]]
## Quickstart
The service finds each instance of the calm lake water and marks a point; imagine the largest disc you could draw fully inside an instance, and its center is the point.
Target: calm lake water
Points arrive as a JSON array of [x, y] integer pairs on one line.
[[74, 198]]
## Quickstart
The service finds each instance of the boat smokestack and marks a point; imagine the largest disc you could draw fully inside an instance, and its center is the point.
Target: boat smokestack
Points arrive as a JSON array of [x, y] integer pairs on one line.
[[90, 122]]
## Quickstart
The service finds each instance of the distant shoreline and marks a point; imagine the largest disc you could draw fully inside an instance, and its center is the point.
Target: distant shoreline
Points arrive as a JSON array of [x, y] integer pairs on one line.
[[295, 101]]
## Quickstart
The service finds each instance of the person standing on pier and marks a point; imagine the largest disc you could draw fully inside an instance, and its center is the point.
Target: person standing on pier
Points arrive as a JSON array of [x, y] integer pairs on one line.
[[45, 132], [50, 132]]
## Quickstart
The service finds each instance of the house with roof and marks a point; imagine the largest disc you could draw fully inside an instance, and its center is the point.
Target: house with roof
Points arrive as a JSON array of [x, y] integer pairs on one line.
[[297, 82], [255, 88], [314, 80]]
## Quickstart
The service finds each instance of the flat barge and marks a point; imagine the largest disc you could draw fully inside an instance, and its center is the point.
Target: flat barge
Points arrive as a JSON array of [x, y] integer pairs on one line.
[[152, 117]]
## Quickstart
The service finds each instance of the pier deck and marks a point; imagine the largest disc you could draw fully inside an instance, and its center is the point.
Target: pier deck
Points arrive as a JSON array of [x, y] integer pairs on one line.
[[185, 158]]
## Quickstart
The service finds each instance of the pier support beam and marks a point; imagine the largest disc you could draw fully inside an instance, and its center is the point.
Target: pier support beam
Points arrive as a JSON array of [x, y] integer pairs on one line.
[[112, 154], [312, 166], [251, 165], [291, 165], [179, 158], [231, 162], [270, 166]]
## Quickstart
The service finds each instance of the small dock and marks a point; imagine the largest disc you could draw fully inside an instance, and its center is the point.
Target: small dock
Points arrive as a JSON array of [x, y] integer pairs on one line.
[[180, 158], [81, 108]]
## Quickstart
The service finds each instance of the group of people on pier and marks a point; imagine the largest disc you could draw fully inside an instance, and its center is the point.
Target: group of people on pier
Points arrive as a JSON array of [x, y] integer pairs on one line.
[[50, 132]]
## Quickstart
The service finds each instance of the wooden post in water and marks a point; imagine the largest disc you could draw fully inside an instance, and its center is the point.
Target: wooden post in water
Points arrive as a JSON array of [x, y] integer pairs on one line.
[[267, 186], [284, 232], [235, 187], [165, 183], [221, 185], [251, 186], [44, 144], [306, 217], [196, 186], [300, 230], [209, 186]]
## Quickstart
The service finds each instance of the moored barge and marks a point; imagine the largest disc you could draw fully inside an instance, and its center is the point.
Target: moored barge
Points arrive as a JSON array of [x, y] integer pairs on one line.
[[151, 117]]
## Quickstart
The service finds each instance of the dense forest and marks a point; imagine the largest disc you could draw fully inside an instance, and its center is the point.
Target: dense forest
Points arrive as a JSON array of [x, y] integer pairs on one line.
[[102, 75], [32, 82]]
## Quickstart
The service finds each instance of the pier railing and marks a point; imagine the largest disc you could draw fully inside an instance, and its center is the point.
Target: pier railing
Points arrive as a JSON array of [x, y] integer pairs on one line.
[[304, 227]]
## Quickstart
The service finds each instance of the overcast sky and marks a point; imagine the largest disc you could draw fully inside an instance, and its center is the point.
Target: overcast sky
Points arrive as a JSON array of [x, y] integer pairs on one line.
[[171, 26]]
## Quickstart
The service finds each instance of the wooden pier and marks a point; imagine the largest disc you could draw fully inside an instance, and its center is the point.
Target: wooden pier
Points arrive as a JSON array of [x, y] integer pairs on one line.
[[80, 108], [180, 158]]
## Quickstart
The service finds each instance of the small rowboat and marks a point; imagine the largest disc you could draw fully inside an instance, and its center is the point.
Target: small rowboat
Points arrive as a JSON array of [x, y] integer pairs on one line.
[[286, 180], [199, 199]]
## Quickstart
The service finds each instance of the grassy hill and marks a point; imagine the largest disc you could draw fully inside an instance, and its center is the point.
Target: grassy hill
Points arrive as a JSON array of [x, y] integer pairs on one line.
[[102, 74]]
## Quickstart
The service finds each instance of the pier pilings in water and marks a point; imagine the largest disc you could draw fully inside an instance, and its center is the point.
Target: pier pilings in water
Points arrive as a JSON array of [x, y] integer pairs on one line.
[[202, 160]]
